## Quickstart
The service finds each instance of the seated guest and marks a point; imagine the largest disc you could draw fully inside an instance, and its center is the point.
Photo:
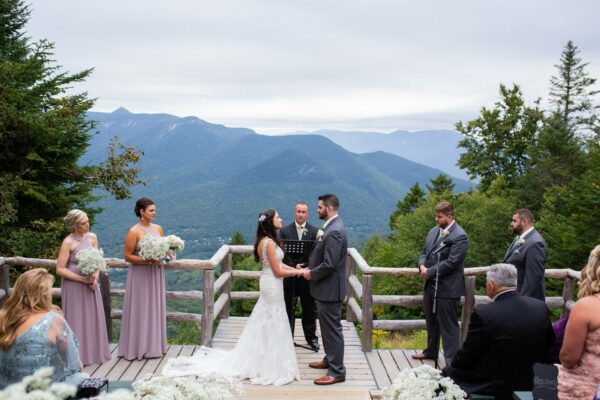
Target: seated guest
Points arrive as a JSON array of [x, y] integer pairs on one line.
[[33, 333], [504, 340], [579, 374]]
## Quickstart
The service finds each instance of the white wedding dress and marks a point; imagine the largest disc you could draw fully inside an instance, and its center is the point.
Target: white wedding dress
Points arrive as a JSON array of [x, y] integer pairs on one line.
[[264, 352]]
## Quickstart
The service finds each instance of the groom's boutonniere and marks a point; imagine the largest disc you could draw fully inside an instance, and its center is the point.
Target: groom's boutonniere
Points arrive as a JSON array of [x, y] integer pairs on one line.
[[520, 242], [304, 231], [445, 233], [320, 233]]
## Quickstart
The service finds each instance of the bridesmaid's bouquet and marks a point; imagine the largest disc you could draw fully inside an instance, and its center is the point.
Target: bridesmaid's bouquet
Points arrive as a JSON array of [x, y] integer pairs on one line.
[[160, 248], [153, 248], [91, 260]]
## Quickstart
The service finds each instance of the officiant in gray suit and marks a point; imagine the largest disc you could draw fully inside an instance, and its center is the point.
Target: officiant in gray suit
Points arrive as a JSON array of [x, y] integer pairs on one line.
[[527, 252], [295, 288], [441, 265], [327, 274]]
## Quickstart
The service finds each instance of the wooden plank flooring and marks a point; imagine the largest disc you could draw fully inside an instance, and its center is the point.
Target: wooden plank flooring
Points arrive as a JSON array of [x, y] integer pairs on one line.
[[367, 373]]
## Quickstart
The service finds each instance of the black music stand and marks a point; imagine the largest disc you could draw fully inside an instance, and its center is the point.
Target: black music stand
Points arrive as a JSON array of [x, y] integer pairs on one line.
[[296, 251]]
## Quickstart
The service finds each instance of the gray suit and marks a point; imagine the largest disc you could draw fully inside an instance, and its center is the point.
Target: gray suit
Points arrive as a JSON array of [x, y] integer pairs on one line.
[[327, 265], [445, 258], [530, 260]]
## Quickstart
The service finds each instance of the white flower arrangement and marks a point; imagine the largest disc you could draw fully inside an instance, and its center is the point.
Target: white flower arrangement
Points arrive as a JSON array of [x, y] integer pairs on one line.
[[175, 242], [520, 242], [153, 248], [320, 233], [187, 388], [38, 386], [91, 260], [423, 383]]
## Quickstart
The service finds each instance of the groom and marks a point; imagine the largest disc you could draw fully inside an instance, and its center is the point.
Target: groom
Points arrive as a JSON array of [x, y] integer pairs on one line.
[[327, 274]]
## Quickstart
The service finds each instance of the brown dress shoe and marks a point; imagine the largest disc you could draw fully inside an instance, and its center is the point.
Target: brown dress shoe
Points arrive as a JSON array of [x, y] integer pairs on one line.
[[328, 380], [422, 356], [318, 365]]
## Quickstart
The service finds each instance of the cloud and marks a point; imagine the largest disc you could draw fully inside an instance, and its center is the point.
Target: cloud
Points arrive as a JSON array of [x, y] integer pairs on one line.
[[269, 64]]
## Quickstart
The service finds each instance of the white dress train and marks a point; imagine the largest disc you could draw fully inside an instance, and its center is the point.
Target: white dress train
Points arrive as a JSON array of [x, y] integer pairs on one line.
[[264, 352]]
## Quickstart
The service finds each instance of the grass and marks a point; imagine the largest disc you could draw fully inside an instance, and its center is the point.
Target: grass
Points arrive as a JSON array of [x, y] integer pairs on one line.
[[399, 340]]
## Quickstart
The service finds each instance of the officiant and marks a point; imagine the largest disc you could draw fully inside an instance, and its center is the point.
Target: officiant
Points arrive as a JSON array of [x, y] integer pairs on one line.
[[295, 288]]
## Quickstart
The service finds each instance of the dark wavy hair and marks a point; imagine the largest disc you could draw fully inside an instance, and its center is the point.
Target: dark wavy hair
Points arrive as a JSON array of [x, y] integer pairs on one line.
[[265, 228], [142, 204]]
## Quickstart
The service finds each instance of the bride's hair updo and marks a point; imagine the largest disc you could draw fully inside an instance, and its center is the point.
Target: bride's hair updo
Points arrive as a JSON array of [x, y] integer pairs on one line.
[[142, 204], [265, 228]]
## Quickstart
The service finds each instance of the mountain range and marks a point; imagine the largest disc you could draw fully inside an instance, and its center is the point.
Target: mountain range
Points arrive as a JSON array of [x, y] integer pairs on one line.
[[435, 148], [209, 181]]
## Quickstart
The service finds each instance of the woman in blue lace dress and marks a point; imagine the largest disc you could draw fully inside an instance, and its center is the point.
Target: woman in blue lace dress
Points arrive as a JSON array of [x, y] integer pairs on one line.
[[33, 333]]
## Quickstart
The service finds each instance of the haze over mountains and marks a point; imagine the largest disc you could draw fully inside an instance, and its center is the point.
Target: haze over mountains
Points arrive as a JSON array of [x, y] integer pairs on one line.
[[210, 181], [435, 148]]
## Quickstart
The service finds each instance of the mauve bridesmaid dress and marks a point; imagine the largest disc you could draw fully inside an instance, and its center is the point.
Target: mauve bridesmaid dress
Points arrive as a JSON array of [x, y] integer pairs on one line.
[[84, 312], [144, 323]]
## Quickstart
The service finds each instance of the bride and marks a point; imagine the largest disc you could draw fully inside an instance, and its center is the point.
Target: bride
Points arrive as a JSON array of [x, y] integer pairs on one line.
[[265, 351]]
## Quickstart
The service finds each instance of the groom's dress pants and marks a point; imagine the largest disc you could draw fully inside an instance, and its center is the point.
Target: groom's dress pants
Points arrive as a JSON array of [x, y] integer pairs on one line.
[[330, 315]]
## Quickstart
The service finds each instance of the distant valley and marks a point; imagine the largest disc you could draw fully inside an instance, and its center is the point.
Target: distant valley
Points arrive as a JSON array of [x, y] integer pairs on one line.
[[210, 181]]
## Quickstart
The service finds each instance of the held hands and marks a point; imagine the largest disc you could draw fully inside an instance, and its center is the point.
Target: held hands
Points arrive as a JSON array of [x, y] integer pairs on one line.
[[423, 272]]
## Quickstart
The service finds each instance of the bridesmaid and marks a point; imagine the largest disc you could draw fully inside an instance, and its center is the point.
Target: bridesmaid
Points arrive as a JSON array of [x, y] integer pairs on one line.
[[81, 299], [144, 323]]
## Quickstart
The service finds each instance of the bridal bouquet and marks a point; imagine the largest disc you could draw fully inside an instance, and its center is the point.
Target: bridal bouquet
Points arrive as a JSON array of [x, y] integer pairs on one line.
[[91, 260], [175, 242], [423, 383]]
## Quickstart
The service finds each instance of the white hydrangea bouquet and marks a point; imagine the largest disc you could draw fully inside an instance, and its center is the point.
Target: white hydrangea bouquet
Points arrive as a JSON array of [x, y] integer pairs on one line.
[[175, 242], [91, 260], [39, 386], [423, 383]]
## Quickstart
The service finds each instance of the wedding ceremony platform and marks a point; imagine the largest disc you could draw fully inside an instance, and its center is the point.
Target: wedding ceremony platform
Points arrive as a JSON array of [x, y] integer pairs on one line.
[[367, 373], [368, 370]]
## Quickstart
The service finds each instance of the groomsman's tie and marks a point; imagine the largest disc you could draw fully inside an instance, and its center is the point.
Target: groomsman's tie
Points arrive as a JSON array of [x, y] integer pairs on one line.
[[514, 242], [300, 231], [441, 234]]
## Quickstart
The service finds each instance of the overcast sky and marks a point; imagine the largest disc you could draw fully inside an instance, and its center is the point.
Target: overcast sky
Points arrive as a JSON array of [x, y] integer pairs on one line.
[[279, 66]]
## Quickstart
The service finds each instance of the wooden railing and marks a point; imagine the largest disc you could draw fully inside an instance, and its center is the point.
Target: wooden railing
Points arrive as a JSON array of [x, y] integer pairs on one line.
[[359, 300]]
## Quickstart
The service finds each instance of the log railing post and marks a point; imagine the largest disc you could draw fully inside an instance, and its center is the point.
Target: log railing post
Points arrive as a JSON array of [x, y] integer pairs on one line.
[[104, 283], [350, 269], [367, 313], [568, 290], [226, 266], [208, 306], [4, 280], [468, 307]]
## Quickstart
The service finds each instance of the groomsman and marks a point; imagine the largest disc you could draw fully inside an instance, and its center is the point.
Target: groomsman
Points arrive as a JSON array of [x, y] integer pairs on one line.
[[441, 265], [527, 252], [296, 287]]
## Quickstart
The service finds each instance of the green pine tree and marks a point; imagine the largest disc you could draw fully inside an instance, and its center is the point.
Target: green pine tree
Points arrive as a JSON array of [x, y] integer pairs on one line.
[[571, 91], [441, 185], [409, 203], [44, 131]]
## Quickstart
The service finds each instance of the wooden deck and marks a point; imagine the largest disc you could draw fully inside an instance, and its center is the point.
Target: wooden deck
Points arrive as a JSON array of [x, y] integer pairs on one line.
[[367, 373]]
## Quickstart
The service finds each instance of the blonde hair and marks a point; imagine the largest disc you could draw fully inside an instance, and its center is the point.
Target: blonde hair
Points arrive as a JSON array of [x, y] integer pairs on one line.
[[32, 293], [73, 217], [590, 275]]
